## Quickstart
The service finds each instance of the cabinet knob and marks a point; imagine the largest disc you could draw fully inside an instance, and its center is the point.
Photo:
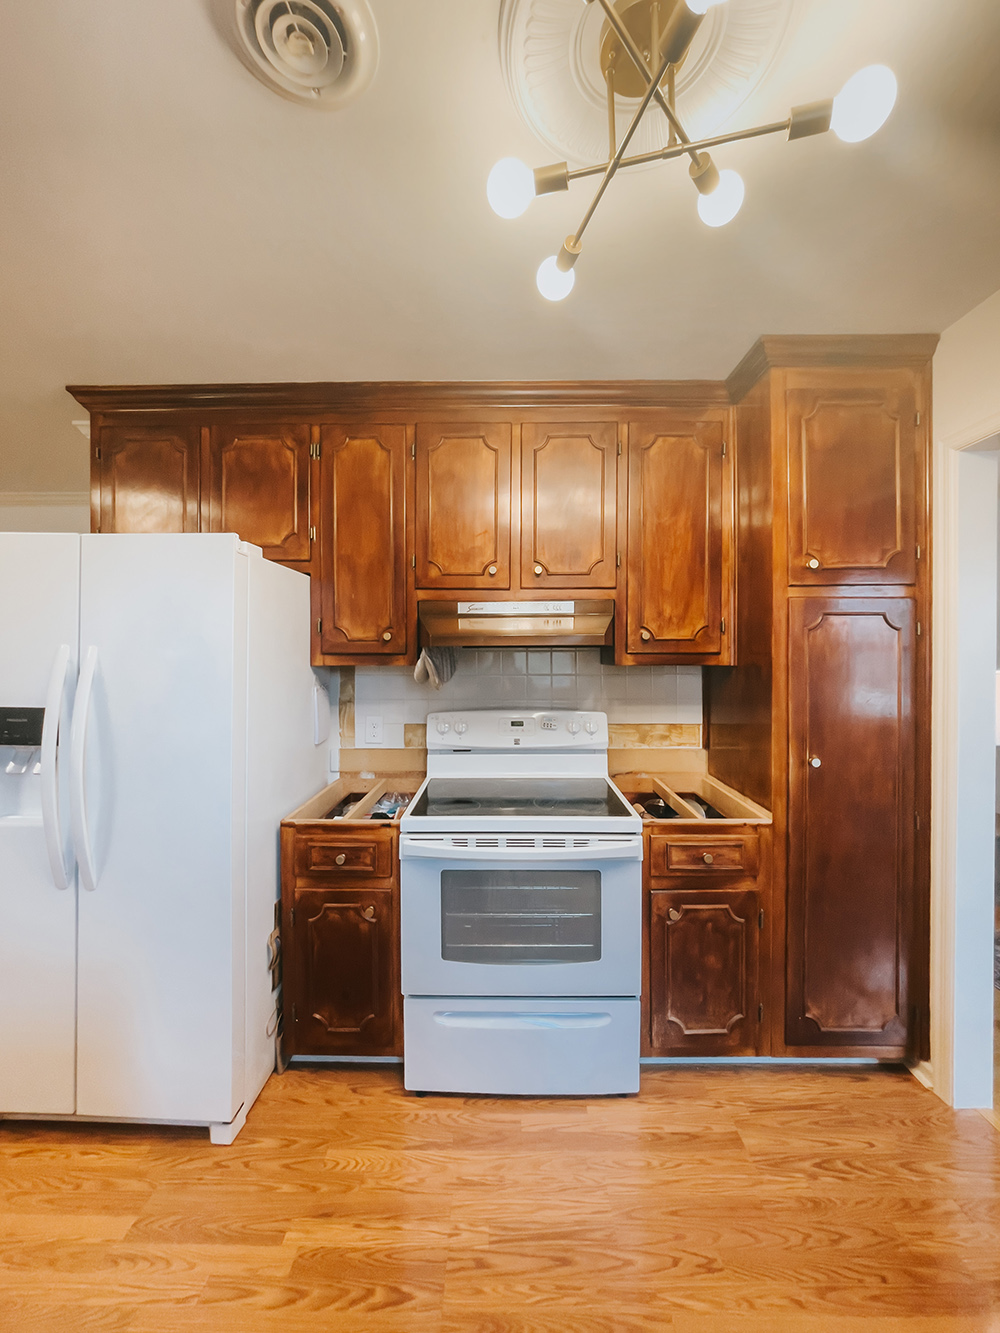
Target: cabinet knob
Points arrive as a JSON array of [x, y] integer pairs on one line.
[[539, 569], [341, 858], [708, 858], [673, 914], [492, 570], [645, 635], [387, 635], [814, 563], [369, 914], [816, 761]]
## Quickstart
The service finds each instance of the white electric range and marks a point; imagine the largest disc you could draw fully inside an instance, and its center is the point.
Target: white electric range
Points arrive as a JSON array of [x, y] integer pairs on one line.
[[521, 918]]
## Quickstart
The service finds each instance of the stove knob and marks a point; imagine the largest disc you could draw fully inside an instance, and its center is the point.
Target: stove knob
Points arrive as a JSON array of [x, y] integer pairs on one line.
[[443, 726], [591, 727], [573, 727], [461, 728]]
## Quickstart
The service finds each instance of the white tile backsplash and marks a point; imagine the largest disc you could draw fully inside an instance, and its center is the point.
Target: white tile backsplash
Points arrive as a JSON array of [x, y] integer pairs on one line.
[[564, 678]]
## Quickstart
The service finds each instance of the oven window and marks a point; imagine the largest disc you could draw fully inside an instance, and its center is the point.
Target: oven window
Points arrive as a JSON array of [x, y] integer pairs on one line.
[[515, 917]]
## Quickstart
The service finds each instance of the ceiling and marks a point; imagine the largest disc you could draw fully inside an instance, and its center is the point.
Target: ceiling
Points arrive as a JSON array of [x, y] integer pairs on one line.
[[165, 218]]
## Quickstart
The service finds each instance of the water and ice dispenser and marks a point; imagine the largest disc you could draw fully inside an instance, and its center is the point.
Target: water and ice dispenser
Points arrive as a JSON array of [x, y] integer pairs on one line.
[[20, 760]]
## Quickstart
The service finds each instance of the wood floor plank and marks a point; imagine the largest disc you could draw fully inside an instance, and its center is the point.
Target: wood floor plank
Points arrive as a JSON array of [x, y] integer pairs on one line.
[[727, 1199]]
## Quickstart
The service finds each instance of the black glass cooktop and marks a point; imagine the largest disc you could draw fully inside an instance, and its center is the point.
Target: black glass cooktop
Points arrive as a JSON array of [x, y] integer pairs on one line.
[[575, 798]]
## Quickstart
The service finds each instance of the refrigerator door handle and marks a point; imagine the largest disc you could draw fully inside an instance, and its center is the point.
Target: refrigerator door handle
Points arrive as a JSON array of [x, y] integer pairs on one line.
[[61, 873], [77, 779]]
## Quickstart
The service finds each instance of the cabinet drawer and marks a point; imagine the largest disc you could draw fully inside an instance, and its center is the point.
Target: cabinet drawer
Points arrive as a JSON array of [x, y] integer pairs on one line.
[[343, 856], [711, 856]]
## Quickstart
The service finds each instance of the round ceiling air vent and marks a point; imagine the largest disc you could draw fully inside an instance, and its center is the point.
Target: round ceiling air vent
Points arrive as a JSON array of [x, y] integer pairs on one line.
[[323, 52]]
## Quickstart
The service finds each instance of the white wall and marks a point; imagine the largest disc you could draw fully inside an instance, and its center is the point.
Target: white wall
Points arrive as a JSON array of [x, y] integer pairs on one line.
[[44, 511], [967, 413]]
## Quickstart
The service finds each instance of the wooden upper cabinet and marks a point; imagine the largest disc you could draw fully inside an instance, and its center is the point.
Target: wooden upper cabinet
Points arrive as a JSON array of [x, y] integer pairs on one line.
[[462, 518], [569, 504], [850, 820], [674, 597], [145, 477], [256, 482], [363, 582], [853, 462]]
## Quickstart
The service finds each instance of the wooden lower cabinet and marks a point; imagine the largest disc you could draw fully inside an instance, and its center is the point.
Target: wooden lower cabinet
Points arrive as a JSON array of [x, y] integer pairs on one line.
[[704, 965], [340, 943]]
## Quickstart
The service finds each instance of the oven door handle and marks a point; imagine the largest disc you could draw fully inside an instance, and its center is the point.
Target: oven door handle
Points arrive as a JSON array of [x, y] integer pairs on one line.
[[529, 856]]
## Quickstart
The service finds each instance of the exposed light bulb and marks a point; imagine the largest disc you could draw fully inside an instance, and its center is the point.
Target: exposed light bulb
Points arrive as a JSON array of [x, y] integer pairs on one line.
[[725, 201], [510, 187], [702, 6], [863, 104], [552, 282]]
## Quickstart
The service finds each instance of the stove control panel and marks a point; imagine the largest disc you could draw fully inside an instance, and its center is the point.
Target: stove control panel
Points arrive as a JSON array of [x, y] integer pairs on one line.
[[528, 729]]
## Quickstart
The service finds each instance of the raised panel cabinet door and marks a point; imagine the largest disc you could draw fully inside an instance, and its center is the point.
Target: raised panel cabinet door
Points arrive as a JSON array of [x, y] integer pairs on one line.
[[363, 579], [569, 504], [258, 486], [703, 971], [852, 480], [341, 973], [675, 516], [463, 505], [147, 477], [851, 820]]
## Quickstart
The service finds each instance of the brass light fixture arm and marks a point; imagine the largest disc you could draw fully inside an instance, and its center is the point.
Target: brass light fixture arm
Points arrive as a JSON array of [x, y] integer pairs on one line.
[[638, 60], [613, 165], [678, 150]]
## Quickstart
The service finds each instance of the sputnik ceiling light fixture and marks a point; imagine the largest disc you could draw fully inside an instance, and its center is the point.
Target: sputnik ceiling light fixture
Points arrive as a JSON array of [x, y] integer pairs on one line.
[[642, 45]]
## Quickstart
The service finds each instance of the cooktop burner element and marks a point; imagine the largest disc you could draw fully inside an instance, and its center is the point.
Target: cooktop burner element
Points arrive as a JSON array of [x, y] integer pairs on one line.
[[587, 798]]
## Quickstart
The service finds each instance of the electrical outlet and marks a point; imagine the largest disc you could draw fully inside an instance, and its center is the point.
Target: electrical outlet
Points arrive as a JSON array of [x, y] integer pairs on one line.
[[373, 729]]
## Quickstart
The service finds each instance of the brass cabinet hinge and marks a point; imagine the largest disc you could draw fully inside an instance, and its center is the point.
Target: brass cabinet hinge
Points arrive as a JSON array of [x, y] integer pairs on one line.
[[760, 919], [724, 448], [618, 560], [413, 449], [619, 447], [319, 627], [312, 533], [314, 450], [722, 626], [918, 550], [919, 630], [97, 452], [413, 562], [918, 419]]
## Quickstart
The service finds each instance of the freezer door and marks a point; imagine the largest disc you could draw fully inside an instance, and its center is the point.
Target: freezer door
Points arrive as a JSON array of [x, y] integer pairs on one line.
[[162, 744], [39, 590]]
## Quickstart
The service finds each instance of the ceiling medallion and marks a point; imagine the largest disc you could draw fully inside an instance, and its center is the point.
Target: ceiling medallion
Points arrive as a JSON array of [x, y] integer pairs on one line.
[[693, 58], [549, 55]]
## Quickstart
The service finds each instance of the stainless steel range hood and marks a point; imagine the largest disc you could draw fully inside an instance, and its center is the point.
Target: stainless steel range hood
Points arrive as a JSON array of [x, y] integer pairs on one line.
[[494, 624]]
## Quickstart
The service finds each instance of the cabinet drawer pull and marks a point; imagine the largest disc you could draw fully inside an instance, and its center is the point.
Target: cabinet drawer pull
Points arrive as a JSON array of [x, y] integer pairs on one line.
[[814, 563], [673, 914], [341, 858], [369, 914], [492, 570], [539, 570], [708, 858], [387, 635], [816, 762], [645, 635]]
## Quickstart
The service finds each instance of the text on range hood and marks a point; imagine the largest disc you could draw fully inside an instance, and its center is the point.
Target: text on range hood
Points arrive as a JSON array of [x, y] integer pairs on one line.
[[491, 624]]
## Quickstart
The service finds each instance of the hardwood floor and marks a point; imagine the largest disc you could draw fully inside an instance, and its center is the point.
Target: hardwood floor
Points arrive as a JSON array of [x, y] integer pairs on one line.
[[722, 1200]]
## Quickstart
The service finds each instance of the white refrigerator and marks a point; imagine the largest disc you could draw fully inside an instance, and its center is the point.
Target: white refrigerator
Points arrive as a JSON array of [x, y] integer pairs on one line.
[[158, 717]]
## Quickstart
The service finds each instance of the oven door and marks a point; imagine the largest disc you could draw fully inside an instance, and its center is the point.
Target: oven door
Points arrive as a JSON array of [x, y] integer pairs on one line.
[[506, 922]]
